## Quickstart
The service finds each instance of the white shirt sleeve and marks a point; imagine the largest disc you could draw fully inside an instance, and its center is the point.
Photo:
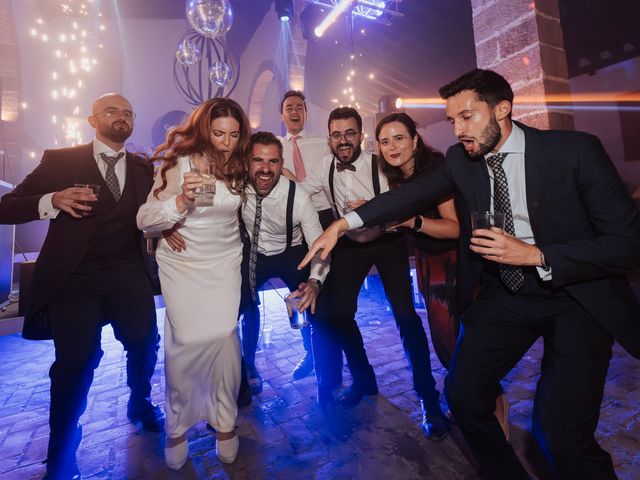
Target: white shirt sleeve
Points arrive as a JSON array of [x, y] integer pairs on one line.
[[354, 220], [311, 229], [161, 213], [46, 210], [545, 276]]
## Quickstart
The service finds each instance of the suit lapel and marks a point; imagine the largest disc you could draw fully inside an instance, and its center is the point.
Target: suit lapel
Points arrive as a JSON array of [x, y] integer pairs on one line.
[[534, 166]]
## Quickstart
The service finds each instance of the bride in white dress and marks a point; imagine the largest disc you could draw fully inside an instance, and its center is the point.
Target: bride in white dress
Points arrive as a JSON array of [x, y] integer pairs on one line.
[[201, 283]]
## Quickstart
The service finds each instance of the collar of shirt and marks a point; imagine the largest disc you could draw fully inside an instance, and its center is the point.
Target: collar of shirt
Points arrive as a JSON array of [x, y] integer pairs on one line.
[[513, 144], [363, 161], [99, 147], [302, 134]]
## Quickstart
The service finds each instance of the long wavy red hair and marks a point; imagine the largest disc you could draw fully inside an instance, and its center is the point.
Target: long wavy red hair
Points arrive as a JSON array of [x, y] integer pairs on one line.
[[193, 137]]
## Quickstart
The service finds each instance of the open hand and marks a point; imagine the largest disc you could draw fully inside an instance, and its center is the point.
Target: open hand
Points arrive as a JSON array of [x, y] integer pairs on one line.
[[325, 242]]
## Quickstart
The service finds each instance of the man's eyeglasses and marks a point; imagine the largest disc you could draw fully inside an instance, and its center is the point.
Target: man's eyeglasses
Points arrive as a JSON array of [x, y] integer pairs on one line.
[[349, 136], [114, 112]]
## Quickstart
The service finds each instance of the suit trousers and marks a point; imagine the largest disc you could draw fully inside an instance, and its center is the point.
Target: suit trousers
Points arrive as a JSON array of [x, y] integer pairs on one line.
[[326, 353], [99, 292], [497, 330], [350, 264]]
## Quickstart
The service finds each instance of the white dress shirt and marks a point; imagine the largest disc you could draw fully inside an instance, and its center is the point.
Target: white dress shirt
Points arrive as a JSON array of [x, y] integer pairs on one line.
[[313, 148], [272, 238], [45, 205], [348, 186]]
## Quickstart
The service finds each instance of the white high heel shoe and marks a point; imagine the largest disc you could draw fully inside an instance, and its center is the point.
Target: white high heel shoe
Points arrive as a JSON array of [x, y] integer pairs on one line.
[[175, 457], [227, 450]]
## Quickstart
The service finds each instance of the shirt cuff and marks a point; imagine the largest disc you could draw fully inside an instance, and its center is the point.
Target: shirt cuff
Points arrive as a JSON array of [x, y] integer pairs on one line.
[[545, 275], [170, 209], [354, 220], [46, 210]]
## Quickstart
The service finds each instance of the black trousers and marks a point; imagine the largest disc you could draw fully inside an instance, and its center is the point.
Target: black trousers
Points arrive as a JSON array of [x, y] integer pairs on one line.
[[350, 265], [283, 266], [498, 329], [316, 337], [98, 293]]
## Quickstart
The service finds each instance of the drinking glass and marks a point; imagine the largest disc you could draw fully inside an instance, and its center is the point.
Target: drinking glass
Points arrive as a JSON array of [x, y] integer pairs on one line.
[[297, 320], [204, 194], [95, 189], [486, 220]]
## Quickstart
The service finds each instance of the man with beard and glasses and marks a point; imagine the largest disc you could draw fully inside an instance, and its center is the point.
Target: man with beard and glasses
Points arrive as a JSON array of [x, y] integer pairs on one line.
[[350, 178], [91, 271], [557, 271], [281, 221]]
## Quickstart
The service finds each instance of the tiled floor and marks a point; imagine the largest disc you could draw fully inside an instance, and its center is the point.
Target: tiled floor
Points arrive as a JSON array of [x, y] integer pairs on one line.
[[282, 435]]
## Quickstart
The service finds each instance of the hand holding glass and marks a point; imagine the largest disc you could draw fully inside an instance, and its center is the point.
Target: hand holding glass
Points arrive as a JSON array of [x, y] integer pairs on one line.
[[297, 319], [204, 195], [95, 189]]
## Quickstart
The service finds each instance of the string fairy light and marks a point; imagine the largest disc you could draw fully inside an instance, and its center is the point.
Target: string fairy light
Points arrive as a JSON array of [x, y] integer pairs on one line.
[[71, 43]]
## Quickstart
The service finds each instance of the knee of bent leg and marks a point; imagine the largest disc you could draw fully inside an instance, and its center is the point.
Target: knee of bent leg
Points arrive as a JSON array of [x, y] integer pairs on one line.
[[462, 396]]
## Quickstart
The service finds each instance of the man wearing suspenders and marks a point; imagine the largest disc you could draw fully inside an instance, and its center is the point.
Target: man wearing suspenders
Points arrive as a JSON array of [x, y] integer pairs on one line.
[[349, 178], [281, 221]]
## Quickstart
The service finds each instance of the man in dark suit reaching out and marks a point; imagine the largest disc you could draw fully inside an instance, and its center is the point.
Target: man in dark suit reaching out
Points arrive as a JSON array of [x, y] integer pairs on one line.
[[90, 272], [558, 271]]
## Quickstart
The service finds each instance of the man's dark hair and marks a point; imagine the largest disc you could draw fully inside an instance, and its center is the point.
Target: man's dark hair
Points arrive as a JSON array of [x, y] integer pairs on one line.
[[265, 138], [342, 113], [489, 87], [293, 93]]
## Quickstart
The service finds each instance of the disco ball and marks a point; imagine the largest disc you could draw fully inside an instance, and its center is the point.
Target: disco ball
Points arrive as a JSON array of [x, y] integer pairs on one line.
[[188, 53], [207, 17], [220, 73]]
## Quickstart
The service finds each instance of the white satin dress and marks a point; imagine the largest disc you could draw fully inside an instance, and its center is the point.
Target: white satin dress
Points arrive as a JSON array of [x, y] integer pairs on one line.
[[201, 290]]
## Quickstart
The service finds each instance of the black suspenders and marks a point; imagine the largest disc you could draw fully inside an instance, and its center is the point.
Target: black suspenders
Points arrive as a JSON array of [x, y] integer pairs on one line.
[[290, 198]]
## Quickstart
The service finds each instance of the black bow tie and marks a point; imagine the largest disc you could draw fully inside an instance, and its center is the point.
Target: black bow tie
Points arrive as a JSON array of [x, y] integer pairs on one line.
[[341, 166]]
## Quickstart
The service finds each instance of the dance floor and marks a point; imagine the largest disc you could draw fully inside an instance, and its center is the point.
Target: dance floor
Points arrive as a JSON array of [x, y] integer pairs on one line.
[[281, 433]]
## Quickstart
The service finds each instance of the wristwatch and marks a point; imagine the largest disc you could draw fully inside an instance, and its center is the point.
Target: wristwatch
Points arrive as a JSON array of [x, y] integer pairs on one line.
[[543, 263], [417, 223], [317, 282]]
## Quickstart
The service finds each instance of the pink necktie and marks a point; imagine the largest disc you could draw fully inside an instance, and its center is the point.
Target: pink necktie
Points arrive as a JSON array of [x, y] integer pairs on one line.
[[298, 165]]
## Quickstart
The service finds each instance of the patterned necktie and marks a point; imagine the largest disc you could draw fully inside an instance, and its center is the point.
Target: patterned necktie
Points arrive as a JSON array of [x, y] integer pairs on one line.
[[512, 276], [253, 253], [298, 164], [110, 177], [341, 166]]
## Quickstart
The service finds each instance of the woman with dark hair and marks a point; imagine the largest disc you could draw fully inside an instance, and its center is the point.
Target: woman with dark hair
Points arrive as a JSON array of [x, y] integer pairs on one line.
[[201, 284], [403, 155], [434, 233]]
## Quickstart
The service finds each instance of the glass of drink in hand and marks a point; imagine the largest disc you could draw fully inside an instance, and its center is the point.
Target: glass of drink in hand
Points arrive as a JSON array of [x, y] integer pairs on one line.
[[95, 189], [486, 220], [204, 194], [297, 320]]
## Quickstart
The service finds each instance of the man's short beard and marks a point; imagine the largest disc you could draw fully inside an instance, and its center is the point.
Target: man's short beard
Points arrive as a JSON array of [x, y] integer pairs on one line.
[[491, 136], [357, 150], [117, 135]]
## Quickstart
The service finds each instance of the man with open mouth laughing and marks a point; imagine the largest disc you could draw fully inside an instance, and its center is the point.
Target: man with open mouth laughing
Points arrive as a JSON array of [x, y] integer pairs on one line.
[[281, 221]]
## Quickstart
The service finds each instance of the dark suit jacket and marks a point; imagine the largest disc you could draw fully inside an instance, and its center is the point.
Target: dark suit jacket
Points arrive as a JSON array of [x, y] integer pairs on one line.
[[581, 216], [68, 239]]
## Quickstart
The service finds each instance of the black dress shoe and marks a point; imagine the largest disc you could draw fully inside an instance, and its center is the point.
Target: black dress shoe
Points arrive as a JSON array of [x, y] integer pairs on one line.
[[352, 396], [150, 415], [335, 420], [434, 423], [244, 396], [304, 367], [62, 469]]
